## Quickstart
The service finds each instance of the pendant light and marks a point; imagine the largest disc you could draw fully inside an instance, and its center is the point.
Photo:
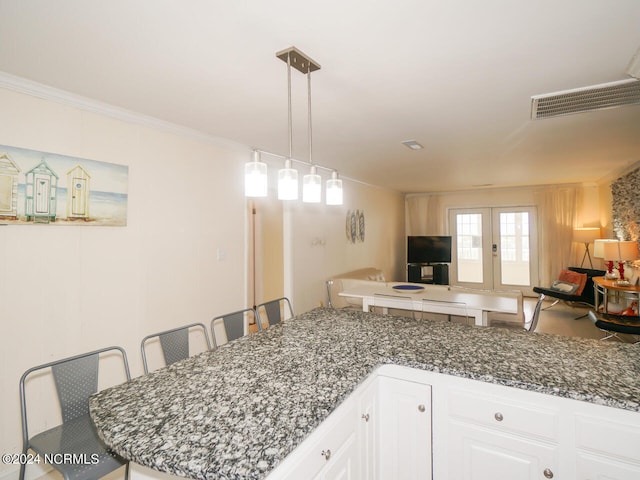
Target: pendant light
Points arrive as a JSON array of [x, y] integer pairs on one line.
[[312, 186], [288, 187], [334, 190], [288, 176], [255, 177], [312, 182]]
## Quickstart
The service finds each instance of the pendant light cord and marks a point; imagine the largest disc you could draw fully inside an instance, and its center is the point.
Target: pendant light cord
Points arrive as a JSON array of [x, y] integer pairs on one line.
[[290, 115]]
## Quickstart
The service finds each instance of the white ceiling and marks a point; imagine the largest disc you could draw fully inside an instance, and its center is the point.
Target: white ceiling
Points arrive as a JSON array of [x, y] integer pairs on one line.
[[456, 75]]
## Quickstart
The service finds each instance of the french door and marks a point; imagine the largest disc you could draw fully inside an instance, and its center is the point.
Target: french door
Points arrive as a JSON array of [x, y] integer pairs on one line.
[[494, 248]]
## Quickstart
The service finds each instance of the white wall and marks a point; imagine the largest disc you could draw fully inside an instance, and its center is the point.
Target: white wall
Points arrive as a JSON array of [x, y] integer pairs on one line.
[[65, 290], [70, 289], [320, 248]]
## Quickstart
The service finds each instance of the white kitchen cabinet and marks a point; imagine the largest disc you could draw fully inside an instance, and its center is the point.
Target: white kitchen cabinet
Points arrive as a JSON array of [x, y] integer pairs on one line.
[[483, 454], [368, 431], [607, 444], [403, 423], [493, 437], [344, 464], [404, 429], [330, 452]]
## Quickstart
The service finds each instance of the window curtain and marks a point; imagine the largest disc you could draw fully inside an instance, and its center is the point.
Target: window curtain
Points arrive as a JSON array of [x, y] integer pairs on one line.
[[423, 215], [557, 214]]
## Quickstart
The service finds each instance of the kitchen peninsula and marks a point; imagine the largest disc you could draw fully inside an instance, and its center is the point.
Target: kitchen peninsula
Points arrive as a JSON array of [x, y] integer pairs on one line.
[[239, 411]]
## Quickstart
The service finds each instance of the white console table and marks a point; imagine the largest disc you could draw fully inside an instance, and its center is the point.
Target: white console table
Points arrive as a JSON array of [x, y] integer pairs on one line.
[[436, 299]]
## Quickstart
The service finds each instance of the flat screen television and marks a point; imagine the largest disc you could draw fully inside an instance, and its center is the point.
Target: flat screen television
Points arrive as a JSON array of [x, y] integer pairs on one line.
[[428, 249]]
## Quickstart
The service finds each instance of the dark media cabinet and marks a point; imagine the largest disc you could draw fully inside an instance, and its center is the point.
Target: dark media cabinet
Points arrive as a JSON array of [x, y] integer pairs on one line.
[[437, 274]]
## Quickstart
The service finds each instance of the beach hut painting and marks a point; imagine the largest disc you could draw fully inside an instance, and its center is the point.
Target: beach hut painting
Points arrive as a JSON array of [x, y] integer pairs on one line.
[[41, 193], [78, 180], [48, 188], [9, 171]]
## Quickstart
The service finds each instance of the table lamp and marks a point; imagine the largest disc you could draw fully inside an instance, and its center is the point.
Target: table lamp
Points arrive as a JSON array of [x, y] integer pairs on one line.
[[586, 235], [599, 252], [622, 251]]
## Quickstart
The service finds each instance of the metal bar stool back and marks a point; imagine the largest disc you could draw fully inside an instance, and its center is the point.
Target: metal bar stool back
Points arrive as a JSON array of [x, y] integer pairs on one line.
[[274, 312], [75, 380], [174, 343], [234, 325]]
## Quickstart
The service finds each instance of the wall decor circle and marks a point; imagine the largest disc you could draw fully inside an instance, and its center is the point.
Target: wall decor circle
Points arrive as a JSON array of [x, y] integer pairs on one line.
[[348, 225], [354, 226]]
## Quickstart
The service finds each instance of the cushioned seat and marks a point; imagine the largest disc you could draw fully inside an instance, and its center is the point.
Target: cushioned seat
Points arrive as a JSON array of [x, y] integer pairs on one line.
[[614, 324], [585, 297]]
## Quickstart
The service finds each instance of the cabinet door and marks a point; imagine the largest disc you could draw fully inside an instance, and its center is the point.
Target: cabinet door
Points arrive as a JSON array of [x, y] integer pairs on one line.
[[603, 468], [482, 454], [607, 445], [344, 464], [330, 443], [404, 429], [368, 431]]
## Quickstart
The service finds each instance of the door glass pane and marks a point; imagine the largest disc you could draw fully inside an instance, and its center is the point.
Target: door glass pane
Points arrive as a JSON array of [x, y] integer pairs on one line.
[[469, 242], [514, 248]]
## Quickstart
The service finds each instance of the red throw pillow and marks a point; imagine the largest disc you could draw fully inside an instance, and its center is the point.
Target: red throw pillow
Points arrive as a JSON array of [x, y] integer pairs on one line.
[[570, 276]]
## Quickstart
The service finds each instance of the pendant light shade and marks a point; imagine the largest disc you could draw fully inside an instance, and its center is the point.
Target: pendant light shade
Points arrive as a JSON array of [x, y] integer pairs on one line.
[[255, 177], [287, 182], [312, 186], [334, 190]]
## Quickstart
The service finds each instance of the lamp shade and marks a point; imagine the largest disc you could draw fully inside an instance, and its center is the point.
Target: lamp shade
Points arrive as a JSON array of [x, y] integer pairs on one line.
[[599, 245], [255, 177], [312, 187], [586, 234], [334, 190], [287, 182], [621, 251], [628, 250]]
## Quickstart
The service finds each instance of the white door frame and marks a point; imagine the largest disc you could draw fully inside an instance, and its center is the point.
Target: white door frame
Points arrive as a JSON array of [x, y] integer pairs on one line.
[[491, 248]]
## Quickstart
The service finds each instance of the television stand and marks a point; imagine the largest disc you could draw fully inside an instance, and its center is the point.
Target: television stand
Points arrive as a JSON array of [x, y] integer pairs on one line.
[[437, 273]]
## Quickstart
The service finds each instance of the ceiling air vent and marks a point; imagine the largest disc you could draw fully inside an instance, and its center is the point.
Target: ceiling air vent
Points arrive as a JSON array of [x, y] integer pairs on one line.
[[586, 99]]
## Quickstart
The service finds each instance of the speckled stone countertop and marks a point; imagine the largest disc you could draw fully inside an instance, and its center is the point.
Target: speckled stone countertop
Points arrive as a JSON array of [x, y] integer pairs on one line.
[[236, 412]]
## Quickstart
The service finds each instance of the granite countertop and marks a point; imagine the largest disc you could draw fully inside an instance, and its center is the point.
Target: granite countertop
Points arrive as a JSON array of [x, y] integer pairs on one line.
[[236, 412]]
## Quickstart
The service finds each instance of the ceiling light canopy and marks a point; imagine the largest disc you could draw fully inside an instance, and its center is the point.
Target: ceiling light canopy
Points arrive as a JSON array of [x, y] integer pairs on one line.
[[256, 171]]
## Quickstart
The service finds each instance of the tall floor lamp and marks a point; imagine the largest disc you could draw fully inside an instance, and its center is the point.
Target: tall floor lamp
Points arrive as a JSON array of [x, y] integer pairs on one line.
[[586, 235]]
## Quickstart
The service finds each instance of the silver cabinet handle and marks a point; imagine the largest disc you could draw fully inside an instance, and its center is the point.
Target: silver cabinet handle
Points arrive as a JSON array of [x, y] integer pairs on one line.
[[421, 408], [326, 454], [548, 473], [365, 417], [498, 416]]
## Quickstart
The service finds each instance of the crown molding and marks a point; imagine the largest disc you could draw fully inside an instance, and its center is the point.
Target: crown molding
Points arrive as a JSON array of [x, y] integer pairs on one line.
[[45, 92]]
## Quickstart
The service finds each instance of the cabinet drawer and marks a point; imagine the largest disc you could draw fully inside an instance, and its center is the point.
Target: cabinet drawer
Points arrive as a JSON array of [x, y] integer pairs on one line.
[[609, 437], [520, 417]]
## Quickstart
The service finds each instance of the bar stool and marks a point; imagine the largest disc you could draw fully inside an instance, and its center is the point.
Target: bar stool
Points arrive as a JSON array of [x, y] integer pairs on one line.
[[76, 379]]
